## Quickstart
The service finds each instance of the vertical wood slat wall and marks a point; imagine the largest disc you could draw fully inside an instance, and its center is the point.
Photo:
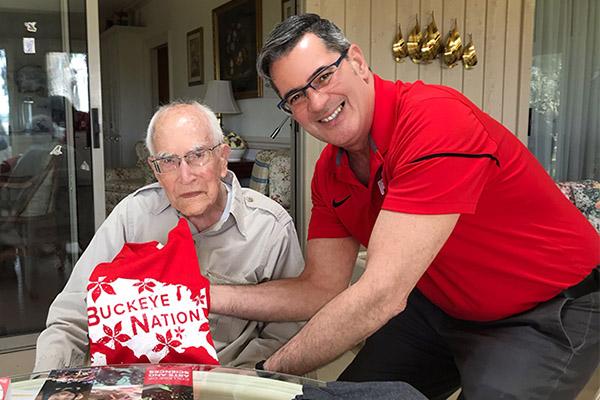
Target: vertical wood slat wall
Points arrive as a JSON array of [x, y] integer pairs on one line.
[[502, 32]]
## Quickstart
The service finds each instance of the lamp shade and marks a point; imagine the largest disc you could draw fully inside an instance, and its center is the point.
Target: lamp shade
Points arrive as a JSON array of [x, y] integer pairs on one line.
[[219, 97]]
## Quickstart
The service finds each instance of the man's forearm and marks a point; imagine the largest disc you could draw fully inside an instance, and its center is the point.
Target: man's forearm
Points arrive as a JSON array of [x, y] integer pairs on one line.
[[348, 319], [293, 299]]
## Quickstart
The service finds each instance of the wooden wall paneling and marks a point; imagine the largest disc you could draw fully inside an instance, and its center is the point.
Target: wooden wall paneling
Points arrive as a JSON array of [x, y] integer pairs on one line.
[[453, 9], [310, 6], [335, 11], [527, 22], [495, 42], [431, 73], [512, 60], [475, 11], [383, 31], [405, 16], [357, 12]]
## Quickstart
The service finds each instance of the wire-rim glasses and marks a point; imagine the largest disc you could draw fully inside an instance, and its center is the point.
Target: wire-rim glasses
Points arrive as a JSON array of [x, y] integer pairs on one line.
[[197, 157], [320, 79]]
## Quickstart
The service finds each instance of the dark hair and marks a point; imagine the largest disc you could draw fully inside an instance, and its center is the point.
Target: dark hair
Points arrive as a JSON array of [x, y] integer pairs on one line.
[[284, 37]]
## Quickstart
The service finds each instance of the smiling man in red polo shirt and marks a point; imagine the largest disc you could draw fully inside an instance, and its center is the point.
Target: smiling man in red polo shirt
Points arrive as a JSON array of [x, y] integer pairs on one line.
[[480, 273]]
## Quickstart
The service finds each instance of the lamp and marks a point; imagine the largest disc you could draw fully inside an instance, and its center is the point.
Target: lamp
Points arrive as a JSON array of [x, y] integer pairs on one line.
[[219, 97]]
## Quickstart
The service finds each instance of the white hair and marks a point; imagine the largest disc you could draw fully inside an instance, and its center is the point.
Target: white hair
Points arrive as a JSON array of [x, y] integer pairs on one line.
[[215, 128]]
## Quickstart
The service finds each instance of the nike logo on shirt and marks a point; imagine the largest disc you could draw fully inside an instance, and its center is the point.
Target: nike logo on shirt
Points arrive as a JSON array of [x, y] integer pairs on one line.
[[336, 204]]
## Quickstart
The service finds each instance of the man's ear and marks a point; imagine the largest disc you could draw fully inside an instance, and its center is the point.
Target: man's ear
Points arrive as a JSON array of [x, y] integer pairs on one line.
[[225, 151], [358, 62]]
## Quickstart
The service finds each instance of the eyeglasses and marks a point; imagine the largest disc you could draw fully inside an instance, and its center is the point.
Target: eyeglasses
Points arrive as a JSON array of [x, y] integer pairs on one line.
[[194, 158], [297, 98]]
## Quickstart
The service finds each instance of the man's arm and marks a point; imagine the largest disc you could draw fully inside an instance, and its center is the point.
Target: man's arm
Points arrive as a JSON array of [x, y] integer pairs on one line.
[[328, 269], [64, 342], [401, 248]]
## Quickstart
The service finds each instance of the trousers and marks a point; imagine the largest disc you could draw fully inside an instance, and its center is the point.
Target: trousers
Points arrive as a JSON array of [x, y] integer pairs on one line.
[[548, 352]]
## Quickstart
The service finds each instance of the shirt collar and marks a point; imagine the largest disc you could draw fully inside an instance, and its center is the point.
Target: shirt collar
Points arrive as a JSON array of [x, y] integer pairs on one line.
[[237, 208], [384, 121]]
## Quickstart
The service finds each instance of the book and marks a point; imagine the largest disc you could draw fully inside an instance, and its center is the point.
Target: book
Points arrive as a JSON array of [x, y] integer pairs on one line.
[[64, 390], [165, 382], [118, 383], [126, 382]]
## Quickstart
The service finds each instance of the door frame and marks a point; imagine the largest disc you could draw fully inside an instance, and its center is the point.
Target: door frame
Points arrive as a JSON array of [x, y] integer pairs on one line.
[[26, 342], [93, 41]]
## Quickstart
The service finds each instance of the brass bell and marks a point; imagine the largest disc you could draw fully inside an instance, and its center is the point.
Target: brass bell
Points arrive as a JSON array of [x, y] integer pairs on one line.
[[469, 56], [453, 48], [399, 49], [431, 43], [415, 38]]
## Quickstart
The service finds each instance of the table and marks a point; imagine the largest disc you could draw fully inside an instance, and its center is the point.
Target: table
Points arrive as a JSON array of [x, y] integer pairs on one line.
[[242, 169], [209, 382]]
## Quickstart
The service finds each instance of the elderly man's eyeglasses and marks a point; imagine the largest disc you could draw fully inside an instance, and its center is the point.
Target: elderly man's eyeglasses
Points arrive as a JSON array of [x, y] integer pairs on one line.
[[297, 98], [194, 158]]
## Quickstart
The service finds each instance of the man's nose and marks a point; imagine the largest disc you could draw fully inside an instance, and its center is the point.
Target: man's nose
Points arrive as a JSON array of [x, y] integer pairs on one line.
[[316, 99], [185, 172]]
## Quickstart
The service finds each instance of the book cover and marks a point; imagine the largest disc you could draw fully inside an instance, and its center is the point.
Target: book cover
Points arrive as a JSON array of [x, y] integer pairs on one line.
[[118, 383], [164, 382], [64, 390]]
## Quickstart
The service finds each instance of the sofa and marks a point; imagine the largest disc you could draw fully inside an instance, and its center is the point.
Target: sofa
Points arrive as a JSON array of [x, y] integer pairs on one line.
[[585, 195]]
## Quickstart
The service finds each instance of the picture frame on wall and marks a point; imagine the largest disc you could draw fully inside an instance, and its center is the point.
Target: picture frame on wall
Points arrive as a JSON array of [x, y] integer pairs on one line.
[[237, 39], [195, 57], [288, 8]]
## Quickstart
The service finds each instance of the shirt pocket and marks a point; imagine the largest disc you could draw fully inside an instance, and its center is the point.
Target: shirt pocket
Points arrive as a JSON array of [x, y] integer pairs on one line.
[[239, 278]]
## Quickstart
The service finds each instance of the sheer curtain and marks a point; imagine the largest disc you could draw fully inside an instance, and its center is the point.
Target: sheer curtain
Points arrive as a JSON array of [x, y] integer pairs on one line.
[[565, 88]]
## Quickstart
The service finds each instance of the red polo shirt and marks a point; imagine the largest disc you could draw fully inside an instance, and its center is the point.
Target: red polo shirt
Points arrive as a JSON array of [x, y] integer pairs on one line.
[[518, 242]]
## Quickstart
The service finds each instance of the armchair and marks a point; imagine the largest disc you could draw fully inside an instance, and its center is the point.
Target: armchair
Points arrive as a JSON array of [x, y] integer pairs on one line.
[[33, 218], [122, 181], [271, 176]]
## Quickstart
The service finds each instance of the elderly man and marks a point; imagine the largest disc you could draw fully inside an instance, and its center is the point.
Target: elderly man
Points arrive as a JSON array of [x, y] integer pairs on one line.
[[241, 237]]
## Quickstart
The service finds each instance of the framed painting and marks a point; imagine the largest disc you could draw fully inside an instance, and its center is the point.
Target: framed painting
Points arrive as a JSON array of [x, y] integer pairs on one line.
[[195, 57], [288, 8], [237, 38]]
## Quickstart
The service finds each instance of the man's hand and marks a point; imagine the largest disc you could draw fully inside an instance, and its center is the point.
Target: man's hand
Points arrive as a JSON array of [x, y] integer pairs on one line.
[[401, 248]]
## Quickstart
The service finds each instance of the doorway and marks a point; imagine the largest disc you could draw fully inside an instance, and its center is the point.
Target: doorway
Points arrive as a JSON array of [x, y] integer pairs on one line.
[[160, 75], [46, 159]]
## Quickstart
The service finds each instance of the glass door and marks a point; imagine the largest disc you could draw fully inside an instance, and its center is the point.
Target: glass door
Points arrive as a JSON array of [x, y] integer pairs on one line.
[[46, 158]]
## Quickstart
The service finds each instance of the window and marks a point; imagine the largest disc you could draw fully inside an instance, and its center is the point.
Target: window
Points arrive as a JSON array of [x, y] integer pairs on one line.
[[565, 89]]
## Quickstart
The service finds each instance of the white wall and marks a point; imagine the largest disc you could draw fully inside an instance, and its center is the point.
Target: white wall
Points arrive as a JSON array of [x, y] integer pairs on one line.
[[172, 20]]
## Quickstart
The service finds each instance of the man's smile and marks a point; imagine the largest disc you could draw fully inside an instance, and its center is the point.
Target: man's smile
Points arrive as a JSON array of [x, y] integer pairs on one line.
[[334, 114]]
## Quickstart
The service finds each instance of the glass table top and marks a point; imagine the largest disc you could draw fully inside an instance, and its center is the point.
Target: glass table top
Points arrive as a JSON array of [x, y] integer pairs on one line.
[[129, 382]]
